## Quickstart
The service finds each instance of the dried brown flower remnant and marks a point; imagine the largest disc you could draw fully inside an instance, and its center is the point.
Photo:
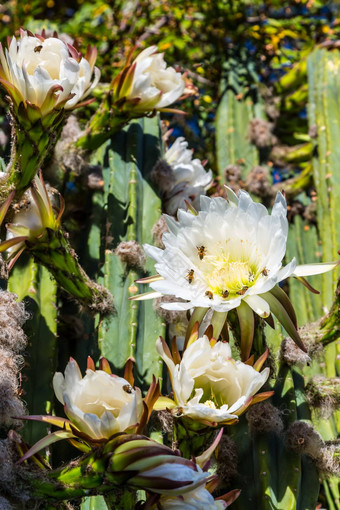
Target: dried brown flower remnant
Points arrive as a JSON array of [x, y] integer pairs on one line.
[[260, 133], [257, 182], [264, 417], [159, 228], [131, 253]]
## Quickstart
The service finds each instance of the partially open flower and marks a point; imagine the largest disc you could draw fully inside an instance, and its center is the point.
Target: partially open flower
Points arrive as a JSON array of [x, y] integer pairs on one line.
[[209, 385], [31, 221], [99, 404], [190, 178], [46, 72], [147, 83], [229, 255]]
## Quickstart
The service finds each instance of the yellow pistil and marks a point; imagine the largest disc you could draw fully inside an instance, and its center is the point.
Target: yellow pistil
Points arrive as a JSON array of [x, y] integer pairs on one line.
[[227, 277], [210, 403]]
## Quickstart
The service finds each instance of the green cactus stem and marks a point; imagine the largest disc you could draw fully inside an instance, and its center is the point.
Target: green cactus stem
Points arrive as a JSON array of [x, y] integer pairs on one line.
[[34, 136]]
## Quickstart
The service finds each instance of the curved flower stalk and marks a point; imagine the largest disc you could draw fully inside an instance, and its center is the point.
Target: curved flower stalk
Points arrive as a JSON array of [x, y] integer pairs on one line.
[[38, 230], [189, 178], [44, 78], [143, 87], [229, 256], [98, 405], [209, 386]]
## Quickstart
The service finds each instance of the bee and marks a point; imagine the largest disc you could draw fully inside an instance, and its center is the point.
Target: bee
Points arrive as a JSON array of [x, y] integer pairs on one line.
[[201, 251], [243, 290], [209, 294], [265, 272], [127, 388], [225, 293], [251, 276], [190, 276], [38, 49]]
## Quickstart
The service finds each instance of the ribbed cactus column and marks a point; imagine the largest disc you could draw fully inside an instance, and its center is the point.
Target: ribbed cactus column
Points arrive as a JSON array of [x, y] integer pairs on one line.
[[132, 210], [324, 115], [34, 284]]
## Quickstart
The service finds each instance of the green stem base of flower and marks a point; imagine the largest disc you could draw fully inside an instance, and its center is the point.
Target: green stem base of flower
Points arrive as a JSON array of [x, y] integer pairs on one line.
[[192, 437], [34, 136], [54, 252]]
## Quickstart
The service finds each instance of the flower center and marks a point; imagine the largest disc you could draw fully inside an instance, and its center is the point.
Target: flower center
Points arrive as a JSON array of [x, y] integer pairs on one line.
[[210, 403], [229, 277]]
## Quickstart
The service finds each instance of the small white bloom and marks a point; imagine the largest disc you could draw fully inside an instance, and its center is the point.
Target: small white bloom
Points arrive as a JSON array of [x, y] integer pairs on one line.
[[154, 84], [230, 252], [99, 404], [34, 66], [199, 499], [190, 178], [208, 384], [175, 472]]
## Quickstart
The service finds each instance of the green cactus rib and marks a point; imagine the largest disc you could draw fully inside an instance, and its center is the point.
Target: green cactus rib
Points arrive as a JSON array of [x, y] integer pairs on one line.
[[324, 113], [232, 144], [132, 210], [35, 137], [288, 463], [303, 244], [33, 283], [94, 503]]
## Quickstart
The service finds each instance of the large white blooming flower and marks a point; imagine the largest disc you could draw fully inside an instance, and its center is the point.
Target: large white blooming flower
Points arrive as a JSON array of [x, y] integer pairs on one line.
[[190, 178], [208, 384], [99, 404], [199, 499], [147, 83], [46, 72], [229, 256]]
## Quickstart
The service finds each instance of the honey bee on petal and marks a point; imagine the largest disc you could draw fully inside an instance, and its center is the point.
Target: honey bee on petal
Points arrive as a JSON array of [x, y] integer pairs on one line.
[[38, 49], [201, 250], [127, 388], [242, 291], [209, 294], [225, 293], [190, 276], [265, 272]]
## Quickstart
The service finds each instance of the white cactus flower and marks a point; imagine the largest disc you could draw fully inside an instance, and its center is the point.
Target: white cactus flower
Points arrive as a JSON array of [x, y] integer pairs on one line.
[[191, 180], [99, 404], [199, 499], [46, 72], [147, 83], [208, 384], [229, 256]]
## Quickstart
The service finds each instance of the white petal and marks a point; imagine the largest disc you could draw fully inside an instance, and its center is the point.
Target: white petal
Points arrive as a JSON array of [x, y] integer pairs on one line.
[[259, 305], [317, 268]]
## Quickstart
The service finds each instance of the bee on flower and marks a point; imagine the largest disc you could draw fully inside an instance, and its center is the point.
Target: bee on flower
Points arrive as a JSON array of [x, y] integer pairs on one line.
[[239, 268]]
